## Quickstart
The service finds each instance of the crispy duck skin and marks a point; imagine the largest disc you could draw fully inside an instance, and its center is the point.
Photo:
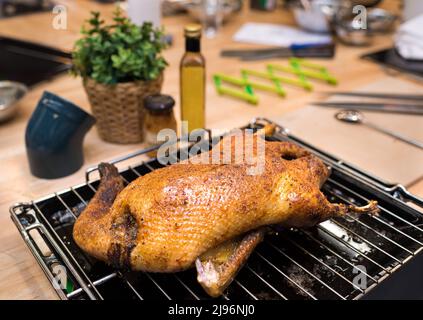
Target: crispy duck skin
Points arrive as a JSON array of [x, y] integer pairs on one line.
[[165, 220]]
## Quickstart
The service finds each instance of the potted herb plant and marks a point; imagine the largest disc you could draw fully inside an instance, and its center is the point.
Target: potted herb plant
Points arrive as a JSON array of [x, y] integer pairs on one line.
[[121, 64]]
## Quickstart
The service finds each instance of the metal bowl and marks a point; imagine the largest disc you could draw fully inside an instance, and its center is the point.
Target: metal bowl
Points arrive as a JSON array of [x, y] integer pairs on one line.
[[349, 30], [318, 15], [352, 36], [380, 20], [10, 93], [195, 8]]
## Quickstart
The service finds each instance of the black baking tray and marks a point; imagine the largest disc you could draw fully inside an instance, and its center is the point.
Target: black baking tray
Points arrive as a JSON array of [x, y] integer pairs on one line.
[[31, 63]]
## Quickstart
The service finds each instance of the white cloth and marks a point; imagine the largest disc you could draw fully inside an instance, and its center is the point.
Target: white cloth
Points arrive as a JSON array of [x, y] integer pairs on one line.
[[409, 39], [277, 35]]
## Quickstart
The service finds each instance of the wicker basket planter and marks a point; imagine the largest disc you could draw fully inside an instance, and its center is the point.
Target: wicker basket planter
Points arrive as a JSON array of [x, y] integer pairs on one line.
[[119, 108]]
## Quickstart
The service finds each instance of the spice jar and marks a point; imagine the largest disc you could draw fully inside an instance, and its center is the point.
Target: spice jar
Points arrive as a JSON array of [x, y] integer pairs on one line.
[[159, 115]]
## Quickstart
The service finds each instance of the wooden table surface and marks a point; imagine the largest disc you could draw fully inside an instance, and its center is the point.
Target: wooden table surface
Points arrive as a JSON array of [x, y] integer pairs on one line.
[[20, 276]]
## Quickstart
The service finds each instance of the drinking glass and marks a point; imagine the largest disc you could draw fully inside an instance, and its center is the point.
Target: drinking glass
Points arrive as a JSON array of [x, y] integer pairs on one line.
[[212, 16]]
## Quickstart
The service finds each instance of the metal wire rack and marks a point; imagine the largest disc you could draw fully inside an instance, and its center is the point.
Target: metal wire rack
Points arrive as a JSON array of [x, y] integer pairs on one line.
[[319, 263]]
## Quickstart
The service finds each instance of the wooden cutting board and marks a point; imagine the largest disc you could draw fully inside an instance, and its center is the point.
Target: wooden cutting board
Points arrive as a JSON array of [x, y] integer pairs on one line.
[[385, 157]]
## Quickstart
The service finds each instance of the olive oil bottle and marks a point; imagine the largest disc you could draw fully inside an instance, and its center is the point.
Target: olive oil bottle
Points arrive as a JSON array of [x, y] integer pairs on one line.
[[192, 81]]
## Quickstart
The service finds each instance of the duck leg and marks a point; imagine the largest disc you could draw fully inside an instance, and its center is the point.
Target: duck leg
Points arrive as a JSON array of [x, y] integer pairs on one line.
[[218, 267], [91, 229]]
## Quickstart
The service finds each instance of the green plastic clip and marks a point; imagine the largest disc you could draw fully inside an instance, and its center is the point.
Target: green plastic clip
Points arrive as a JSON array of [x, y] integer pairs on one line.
[[302, 69], [246, 93], [300, 82], [305, 69], [275, 88]]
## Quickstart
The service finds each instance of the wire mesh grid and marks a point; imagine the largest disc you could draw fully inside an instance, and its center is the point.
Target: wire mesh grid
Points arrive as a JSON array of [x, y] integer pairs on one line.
[[342, 258]]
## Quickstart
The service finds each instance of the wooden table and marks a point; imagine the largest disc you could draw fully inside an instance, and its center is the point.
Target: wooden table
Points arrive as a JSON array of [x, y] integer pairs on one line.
[[20, 277]]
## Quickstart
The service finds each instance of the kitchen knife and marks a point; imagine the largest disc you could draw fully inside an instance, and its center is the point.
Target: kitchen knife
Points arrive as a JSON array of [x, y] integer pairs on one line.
[[305, 50]]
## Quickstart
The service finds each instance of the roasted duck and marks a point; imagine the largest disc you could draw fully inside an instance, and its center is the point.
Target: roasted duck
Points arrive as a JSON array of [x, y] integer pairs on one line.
[[208, 215]]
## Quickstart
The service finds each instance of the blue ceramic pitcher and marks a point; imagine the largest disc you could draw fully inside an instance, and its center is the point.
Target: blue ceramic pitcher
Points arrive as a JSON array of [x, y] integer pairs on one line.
[[54, 137]]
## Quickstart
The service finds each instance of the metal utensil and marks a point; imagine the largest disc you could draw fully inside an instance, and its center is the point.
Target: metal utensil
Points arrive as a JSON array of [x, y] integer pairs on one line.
[[356, 117], [379, 95], [10, 93], [401, 108]]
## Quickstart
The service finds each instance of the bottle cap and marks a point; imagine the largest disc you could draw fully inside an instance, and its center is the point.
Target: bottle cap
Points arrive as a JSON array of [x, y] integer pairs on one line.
[[192, 30], [159, 103]]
